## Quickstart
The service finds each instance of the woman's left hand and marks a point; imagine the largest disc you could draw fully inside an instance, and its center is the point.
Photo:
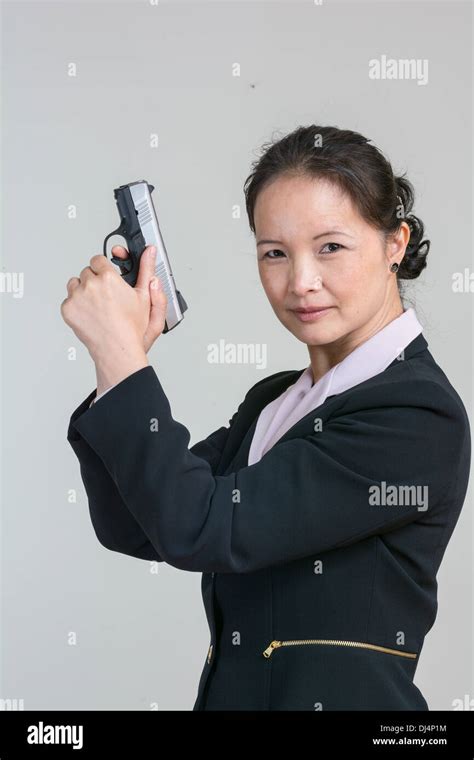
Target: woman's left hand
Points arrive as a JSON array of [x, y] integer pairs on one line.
[[110, 317]]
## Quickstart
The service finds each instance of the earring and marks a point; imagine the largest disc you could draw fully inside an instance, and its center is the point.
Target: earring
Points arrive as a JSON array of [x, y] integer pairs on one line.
[[394, 268]]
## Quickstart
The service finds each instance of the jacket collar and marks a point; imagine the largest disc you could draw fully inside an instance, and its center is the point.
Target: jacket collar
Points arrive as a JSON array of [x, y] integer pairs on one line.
[[274, 386], [368, 359]]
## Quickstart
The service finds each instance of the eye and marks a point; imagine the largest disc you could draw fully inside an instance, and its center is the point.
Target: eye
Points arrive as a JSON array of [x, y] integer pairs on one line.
[[273, 250], [336, 244]]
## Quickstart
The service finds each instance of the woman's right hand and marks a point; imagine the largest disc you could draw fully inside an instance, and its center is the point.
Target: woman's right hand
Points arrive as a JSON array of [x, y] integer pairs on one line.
[[158, 303]]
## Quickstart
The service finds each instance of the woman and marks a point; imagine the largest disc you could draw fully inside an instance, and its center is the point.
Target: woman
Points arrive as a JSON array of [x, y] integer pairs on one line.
[[319, 517]]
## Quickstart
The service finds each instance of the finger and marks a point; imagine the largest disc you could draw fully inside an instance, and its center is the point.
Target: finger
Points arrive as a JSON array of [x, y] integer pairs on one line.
[[100, 263], [72, 284], [146, 269], [63, 308], [86, 274], [120, 252]]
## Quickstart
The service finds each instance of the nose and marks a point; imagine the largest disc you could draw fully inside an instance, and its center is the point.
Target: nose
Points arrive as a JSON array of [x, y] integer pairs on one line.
[[305, 276]]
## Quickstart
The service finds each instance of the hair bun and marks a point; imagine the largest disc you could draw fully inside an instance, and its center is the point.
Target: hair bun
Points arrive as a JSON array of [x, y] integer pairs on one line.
[[417, 249]]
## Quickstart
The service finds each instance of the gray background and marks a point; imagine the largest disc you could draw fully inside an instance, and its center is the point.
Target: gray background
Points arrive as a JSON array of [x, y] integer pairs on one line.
[[142, 639]]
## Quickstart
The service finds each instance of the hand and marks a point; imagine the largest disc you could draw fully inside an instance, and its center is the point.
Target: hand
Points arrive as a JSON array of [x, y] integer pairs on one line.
[[158, 306], [111, 318]]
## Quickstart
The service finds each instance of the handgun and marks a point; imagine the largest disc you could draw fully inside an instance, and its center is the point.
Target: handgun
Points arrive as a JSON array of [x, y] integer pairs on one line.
[[139, 226]]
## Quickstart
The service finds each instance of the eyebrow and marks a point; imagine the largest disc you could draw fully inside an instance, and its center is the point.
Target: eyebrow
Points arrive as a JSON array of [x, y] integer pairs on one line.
[[321, 234]]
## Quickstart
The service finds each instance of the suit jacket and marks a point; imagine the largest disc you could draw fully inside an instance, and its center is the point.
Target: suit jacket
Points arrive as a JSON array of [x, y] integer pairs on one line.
[[318, 562]]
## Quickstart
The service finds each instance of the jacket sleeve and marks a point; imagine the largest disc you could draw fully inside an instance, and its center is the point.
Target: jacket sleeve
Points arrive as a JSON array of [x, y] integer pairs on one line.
[[305, 496], [114, 524]]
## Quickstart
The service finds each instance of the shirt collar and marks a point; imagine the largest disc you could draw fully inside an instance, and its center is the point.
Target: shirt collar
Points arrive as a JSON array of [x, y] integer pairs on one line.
[[367, 360]]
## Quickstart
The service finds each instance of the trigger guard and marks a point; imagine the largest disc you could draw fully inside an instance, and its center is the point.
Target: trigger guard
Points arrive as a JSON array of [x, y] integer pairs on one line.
[[120, 231], [124, 264]]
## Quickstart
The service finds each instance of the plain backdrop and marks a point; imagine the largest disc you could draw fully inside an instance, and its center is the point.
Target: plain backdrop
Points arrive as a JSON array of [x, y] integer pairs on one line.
[[83, 627]]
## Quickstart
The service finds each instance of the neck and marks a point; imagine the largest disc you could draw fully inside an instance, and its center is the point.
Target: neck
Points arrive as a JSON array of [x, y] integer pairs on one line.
[[324, 357]]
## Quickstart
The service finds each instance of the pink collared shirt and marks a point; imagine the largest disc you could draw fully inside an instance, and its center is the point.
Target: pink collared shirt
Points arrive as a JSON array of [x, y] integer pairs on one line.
[[367, 360]]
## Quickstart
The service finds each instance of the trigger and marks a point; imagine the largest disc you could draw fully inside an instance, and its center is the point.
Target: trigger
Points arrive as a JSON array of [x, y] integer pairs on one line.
[[124, 264]]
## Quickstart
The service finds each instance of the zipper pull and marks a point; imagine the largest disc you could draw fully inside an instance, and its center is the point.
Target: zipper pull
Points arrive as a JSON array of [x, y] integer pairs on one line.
[[270, 649]]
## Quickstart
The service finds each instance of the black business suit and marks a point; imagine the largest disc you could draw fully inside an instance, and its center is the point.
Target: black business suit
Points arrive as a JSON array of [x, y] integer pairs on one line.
[[290, 548]]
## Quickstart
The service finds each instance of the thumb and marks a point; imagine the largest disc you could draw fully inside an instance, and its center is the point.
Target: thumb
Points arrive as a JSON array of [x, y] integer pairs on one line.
[[159, 302], [146, 269]]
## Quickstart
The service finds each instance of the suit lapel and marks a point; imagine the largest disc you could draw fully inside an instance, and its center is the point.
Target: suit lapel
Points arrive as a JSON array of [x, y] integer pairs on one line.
[[235, 454]]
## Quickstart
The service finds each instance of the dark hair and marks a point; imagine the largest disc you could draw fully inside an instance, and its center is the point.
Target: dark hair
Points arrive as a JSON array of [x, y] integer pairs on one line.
[[359, 169]]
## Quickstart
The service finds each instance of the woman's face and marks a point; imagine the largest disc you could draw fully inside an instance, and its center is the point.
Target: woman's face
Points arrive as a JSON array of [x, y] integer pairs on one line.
[[324, 254]]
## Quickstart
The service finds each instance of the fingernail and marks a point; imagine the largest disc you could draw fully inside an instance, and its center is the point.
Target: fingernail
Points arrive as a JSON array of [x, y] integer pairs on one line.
[[152, 250]]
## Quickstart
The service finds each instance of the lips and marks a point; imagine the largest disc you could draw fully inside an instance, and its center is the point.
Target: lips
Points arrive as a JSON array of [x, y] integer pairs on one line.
[[311, 309], [311, 313]]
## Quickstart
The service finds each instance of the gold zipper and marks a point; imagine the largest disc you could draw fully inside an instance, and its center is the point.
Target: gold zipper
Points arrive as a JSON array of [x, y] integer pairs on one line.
[[275, 644], [209, 654]]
